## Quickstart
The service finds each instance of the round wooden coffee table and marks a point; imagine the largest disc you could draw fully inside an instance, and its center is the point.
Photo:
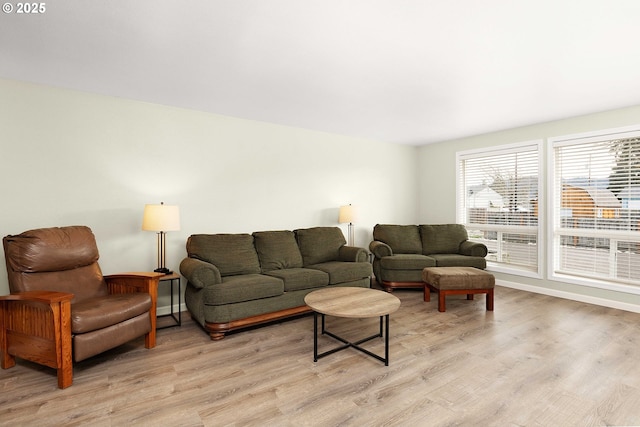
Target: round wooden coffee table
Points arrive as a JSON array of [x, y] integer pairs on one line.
[[351, 302]]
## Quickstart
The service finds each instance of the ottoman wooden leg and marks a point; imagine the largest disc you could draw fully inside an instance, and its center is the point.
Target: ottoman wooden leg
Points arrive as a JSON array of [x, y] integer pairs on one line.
[[470, 297], [427, 293], [490, 299], [441, 304]]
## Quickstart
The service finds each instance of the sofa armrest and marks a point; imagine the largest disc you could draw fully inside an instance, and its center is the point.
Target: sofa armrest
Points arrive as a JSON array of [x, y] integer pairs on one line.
[[352, 254], [473, 248], [200, 273], [380, 249]]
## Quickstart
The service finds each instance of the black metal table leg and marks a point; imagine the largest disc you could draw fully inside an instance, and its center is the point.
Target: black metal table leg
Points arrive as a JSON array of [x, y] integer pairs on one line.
[[315, 335], [386, 339], [384, 331]]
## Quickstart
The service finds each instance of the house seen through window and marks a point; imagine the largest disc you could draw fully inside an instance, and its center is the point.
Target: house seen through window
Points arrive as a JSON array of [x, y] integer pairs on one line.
[[596, 207], [498, 202]]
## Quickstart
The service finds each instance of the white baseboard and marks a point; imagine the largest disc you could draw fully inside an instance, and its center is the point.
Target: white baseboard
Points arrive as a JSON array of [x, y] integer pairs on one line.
[[571, 296]]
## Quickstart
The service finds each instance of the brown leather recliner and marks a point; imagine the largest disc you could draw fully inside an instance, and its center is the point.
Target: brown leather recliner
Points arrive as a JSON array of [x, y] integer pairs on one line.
[[62, 309]]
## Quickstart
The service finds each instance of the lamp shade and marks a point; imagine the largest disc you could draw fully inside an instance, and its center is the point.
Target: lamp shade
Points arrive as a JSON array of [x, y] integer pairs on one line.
[[161, 218], [346, 214]]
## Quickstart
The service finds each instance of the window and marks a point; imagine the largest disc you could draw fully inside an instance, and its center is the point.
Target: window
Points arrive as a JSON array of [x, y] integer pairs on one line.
[[595, 207], [498, 200]]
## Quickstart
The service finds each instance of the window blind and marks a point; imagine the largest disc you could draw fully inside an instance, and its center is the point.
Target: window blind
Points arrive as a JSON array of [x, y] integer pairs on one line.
[[498, 202], [596, 207]]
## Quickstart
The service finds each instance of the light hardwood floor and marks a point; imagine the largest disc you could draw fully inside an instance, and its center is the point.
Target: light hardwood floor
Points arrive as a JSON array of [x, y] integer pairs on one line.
[[534, 361]]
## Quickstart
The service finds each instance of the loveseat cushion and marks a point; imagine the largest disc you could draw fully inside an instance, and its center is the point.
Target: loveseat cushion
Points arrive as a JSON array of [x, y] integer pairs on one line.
[[277, 250], [300, 278], [442, 238], [455, 260], [403, 239], [233, 254], [319, 244], [101, 312], [341, 272], [241, 288], [407, 262]]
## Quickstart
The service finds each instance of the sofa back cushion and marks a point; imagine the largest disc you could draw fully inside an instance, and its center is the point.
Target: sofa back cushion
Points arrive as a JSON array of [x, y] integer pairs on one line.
[[442, 238], [277, 250], [403, 239], [233, 254], [319, 244]]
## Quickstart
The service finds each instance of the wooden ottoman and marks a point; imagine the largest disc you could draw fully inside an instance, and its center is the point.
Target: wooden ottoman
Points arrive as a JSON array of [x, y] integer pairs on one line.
[[457, 281]]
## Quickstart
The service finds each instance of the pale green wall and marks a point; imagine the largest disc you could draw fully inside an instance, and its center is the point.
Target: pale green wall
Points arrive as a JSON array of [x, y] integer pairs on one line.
[[437, 189], [75, 158]]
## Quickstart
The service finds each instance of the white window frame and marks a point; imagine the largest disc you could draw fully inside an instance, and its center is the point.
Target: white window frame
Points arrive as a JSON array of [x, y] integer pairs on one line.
[[461, 208], [553, 232]]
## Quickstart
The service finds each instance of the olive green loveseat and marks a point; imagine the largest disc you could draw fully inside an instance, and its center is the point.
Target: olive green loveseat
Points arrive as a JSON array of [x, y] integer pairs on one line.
[[240, 280], [401, 252]]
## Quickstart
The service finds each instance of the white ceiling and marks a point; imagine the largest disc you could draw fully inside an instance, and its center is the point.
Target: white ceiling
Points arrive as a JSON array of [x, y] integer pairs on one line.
[[402, 71]]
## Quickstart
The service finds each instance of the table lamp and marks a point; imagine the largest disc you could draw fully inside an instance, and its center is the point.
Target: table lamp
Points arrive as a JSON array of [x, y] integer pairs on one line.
[[161, 218], [347, 215]]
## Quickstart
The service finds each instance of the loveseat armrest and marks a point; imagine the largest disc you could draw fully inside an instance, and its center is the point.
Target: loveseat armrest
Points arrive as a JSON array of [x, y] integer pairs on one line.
[[200, 273], [352, 254], [473, 248], [380, 249]]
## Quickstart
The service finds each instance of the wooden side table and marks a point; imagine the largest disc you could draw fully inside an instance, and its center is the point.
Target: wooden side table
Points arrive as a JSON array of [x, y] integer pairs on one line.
[[177, 317]]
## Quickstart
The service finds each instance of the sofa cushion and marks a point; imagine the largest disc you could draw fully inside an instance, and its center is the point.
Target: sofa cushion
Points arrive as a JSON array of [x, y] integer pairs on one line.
[[233, 254], [246, 287], [403, 239], [341, 272], [442, 238], [407, 262], [277, 250], [319, 244], [300, 278]]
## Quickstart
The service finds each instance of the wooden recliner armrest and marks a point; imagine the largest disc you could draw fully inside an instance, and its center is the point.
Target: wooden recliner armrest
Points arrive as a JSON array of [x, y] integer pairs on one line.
[[36, 326], [129, 283], [44, 297]]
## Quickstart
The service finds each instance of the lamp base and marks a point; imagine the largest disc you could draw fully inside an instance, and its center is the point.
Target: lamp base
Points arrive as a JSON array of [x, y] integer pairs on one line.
[[163, 270]]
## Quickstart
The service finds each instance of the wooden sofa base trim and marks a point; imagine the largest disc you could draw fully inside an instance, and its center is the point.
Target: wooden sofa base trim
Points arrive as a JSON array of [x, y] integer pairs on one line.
[[218, 330], [390, 286]]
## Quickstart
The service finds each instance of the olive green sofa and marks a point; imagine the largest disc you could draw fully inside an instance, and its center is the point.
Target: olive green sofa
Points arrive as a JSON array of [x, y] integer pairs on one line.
[[239, 280], [401, 252]]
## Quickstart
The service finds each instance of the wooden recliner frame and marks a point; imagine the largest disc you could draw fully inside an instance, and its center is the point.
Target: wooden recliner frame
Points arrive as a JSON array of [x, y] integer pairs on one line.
[[36, 325]]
